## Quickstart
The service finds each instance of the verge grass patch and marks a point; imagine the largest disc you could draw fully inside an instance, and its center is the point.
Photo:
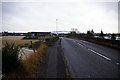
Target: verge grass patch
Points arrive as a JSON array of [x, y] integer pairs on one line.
[[28, 67], [31, 64]]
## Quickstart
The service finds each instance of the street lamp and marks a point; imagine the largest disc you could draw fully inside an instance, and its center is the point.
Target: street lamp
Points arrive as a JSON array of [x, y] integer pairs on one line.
[[56, 26]]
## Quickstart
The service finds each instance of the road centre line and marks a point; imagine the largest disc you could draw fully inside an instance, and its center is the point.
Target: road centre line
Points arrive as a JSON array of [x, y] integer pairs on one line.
[[100, 54], [117, 63], [75, 41], [95, 52], [80, 44]]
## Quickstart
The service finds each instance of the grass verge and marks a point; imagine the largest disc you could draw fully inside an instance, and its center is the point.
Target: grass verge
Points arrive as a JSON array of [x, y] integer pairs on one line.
[[28, 67], [51, 41], [31, 64], [109, 43]]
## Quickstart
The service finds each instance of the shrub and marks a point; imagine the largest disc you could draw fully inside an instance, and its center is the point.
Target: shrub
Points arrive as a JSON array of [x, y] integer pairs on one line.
[[15, 68], [33, 61], [10, 60]]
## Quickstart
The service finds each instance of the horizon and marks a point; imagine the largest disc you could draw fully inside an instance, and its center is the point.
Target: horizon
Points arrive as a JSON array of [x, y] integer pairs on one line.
[[55, 32]]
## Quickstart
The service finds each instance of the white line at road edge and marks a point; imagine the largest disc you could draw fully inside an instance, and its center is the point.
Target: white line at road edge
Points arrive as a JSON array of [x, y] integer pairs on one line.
[[72, 72], [100, 54]]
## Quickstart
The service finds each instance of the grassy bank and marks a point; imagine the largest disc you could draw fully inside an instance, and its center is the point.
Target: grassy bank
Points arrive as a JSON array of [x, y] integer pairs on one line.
[[26, 68], [15, 67], [0, 42], [31, 64], [51, 41], [109, 43]]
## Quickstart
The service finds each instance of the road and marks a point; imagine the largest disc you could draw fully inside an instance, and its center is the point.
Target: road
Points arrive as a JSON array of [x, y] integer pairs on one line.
[[89, 60]]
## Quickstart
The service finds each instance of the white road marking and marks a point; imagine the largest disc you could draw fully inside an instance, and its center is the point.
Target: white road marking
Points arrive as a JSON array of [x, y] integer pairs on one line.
[[100, 54], [80, 44], [74, 41], [89, 76], [117, 63], [1, 76]]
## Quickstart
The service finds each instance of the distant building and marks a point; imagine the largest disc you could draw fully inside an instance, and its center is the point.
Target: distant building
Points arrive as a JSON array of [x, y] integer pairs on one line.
[[118, 37], [38, 35], [12, 34], [109, 36]]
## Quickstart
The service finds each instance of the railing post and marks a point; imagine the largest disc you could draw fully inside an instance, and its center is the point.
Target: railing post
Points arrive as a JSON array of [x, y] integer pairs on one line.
[[33, 46]]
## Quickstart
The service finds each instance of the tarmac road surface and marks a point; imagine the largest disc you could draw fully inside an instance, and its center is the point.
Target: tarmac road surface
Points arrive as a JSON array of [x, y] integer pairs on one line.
[[89, 60]]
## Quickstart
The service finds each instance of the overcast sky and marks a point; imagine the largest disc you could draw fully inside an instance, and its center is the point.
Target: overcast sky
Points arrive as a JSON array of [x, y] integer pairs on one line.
[[41, 16]]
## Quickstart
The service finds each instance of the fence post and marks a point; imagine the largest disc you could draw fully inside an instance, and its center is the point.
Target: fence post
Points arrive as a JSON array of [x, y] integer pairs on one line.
[[33, 46]]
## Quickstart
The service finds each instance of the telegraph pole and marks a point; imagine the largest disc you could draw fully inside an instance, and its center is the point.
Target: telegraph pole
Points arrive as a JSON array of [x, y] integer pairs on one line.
[[56, 26]]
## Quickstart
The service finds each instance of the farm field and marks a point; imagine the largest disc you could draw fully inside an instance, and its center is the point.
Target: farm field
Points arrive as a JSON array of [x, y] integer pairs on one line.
[[16, 39]]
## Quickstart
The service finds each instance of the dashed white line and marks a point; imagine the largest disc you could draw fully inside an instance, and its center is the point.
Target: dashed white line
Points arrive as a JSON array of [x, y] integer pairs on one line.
[[117, 63], [80, 44], [89, 76], [74, 41], [100, 54]]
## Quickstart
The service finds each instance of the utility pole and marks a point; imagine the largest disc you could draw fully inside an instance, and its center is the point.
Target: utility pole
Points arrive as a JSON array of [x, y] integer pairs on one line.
[[56, 26]]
